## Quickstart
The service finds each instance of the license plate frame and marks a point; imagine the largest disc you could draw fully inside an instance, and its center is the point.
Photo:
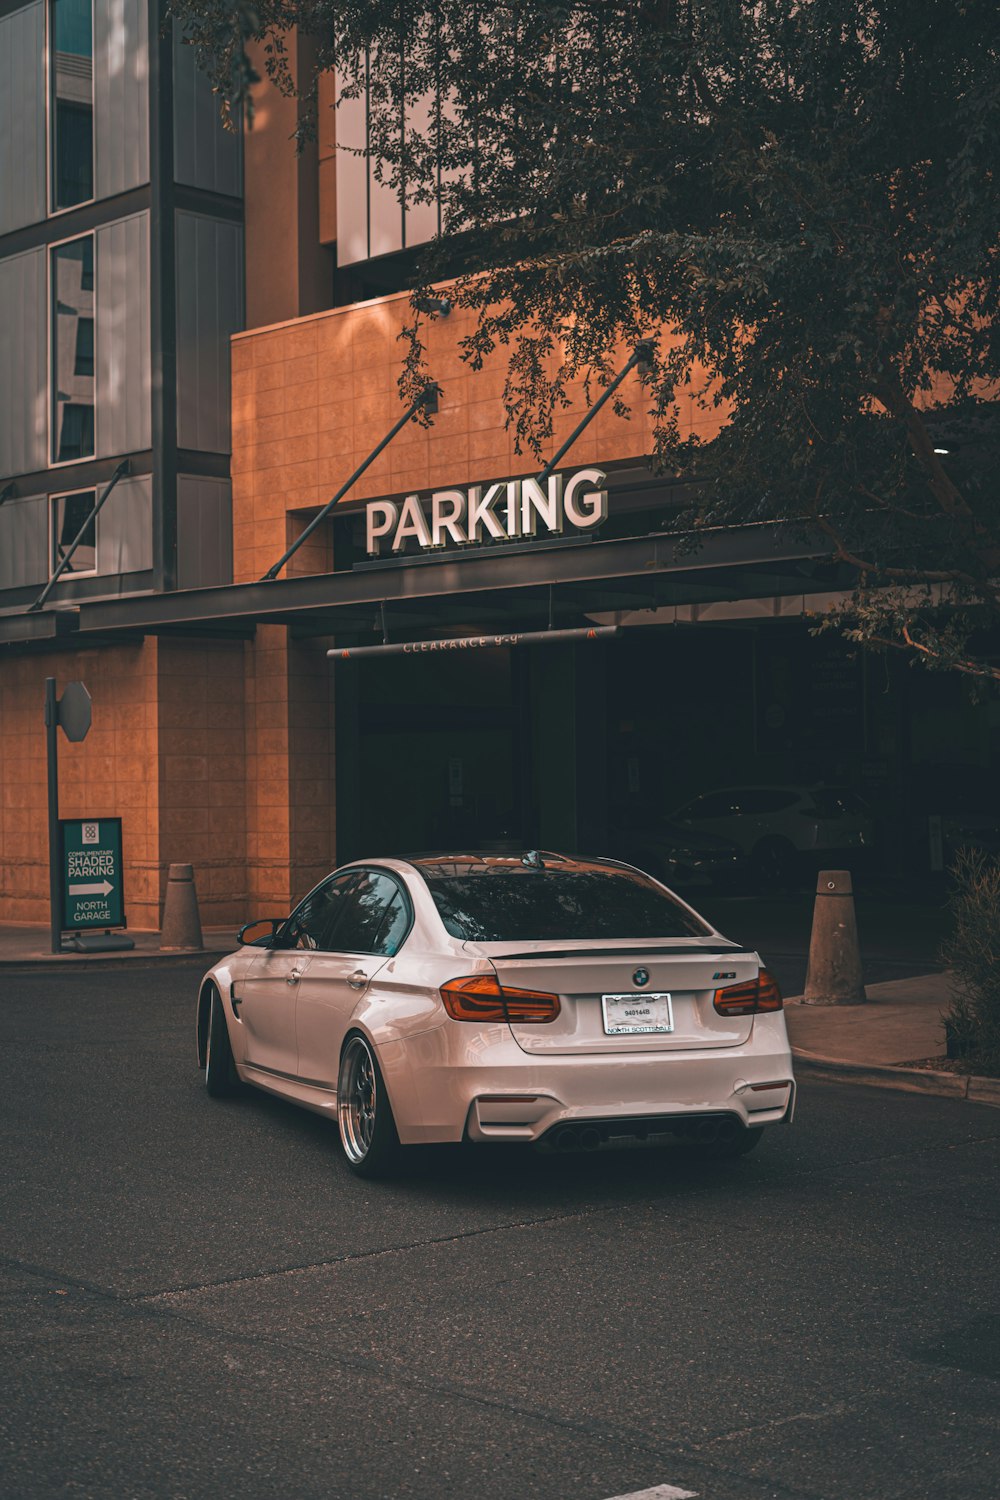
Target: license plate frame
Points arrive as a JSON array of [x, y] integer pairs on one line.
[[659, 1006]]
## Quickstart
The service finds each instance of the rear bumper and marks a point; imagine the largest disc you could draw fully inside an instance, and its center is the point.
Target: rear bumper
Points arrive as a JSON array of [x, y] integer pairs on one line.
[[445, 1086]]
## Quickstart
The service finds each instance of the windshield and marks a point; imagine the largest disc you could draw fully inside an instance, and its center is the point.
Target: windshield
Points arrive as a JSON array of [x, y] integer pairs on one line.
[[510, 905]]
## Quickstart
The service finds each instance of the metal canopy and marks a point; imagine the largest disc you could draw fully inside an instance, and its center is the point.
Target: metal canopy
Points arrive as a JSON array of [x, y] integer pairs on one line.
[[655, 566], [488, 586]]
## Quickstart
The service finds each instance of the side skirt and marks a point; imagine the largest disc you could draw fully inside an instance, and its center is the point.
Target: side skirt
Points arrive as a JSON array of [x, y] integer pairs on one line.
[[320, 1098]]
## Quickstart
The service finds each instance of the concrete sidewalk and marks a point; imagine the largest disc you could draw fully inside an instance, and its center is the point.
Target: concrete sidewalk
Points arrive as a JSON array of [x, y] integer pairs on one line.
[[28, 946], [902, 1023]]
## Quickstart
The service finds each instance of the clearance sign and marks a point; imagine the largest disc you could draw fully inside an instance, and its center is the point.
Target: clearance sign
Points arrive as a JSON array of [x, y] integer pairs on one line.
[[508, 510]]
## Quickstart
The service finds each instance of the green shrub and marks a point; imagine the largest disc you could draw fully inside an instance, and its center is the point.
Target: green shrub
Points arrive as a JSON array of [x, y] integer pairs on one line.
[[972, 952]]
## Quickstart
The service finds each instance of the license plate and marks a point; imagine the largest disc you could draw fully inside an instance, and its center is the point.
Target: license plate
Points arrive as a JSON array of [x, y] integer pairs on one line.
[[630, 1015]]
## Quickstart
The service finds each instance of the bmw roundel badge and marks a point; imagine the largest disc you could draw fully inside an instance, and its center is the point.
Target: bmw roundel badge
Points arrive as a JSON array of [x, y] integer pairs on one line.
[[640, 977]]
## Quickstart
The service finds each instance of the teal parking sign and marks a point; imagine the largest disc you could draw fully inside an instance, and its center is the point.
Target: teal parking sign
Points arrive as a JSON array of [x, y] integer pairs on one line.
[[91, 873]]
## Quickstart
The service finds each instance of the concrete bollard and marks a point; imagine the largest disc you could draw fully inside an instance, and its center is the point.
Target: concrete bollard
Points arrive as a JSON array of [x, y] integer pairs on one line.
[[834, 973], [181, 922]]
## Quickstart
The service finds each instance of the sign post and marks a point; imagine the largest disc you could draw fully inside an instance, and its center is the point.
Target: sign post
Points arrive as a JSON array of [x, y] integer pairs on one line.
[[52, 756]]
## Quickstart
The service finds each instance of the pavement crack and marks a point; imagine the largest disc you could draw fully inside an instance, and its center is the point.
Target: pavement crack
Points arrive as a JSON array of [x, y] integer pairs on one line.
[[631, 1440], [836, 1409], [357, 1255]]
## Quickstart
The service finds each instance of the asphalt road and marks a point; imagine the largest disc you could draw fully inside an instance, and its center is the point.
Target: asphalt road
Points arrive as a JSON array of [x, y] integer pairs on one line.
[[199, 1300]]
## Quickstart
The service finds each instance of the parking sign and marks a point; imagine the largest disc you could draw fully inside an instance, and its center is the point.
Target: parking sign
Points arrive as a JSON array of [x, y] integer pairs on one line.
[[91, 873]]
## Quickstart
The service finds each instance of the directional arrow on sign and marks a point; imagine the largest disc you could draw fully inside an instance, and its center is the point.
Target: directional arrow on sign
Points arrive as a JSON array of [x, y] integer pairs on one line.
[[102, 888]]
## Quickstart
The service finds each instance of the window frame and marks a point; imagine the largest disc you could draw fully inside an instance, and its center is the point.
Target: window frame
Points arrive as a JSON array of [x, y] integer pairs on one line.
[[289, 923], [51, 373], [400, 884], [52, 212], [71, 573]]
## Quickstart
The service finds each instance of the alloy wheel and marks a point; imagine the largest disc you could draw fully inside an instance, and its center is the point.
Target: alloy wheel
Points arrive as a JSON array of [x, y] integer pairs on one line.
[[357, 1099]]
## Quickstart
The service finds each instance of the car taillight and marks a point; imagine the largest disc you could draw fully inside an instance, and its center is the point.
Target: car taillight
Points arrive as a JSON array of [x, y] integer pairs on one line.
[[748, 999], [481, 997]]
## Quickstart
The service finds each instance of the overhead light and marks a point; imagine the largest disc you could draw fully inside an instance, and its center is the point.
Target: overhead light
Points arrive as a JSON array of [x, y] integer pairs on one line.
[[942, 451]]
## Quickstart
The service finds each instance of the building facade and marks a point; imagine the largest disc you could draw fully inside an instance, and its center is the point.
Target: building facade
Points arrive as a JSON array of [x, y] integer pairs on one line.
[[121, 281], [224, 734]]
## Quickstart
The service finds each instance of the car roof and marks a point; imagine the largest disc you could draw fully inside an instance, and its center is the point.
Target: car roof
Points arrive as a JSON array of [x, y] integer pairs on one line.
[[489, 862], [753, 786]]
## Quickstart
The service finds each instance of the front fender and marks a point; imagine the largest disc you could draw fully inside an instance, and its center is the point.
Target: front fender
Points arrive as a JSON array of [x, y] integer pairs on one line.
[[220, 977]]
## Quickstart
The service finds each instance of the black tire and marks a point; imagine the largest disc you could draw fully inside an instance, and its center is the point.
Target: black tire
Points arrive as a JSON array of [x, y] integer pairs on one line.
[[368, 1135], [741, 1144], [221, 1079], [773, 863]]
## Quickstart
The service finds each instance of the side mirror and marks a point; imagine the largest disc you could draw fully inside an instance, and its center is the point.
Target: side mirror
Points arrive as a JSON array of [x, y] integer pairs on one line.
[[263, 939]]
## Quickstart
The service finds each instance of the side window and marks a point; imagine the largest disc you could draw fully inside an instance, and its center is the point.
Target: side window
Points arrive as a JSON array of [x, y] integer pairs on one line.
[[395, 926], [368, 919], [714, 805], [767, 800], [312, 920]]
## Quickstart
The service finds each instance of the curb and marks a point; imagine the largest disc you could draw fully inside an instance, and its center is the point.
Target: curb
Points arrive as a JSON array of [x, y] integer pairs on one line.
[[55, 963], [974, 1087]]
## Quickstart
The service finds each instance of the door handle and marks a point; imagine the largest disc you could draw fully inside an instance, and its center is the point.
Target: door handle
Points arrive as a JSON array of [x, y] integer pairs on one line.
[[358, 979], [293, 976]]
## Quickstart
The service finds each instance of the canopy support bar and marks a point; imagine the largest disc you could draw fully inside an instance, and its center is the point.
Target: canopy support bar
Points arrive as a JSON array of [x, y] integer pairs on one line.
[[122, 469], [426, 401], [642, 355]]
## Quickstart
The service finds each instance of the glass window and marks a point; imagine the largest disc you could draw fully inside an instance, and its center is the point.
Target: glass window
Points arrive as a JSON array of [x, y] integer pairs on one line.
[[837, 802], [84, 347], [71, 85], [69, 514], [714, 805], [757, 800], [73, 350], [395, 926], [367, 919], [509, 905], [310, 923]]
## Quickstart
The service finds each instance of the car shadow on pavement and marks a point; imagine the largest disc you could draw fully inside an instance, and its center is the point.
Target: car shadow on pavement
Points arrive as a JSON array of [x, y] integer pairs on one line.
[[508, 1174]]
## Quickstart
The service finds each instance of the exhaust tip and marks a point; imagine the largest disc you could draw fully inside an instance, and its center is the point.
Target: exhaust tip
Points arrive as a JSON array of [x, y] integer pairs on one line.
[[590, 1138], [565, 1139]]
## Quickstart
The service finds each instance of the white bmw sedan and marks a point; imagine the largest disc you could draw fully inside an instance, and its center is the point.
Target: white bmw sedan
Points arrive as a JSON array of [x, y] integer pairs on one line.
[[574, 1003]]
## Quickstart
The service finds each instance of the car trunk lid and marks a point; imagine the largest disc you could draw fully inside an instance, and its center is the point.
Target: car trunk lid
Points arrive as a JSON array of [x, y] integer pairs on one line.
[[586, 975]]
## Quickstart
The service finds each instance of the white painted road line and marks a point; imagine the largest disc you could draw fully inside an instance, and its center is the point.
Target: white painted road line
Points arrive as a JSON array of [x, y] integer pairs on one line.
[[658, 1492]]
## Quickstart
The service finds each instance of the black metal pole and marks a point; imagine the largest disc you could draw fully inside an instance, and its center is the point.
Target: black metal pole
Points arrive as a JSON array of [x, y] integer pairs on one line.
[[52, 757], [427, 400], [476, 642], [643, 355], [122, 469]]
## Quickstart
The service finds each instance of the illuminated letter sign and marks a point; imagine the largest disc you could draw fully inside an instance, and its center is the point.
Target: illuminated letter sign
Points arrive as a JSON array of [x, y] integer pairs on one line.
[[505, 511]]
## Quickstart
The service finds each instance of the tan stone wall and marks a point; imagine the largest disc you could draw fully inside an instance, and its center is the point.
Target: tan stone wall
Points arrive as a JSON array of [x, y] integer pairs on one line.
[[313, 397], [290, 811], [166, 753], [201, 770], [112, 773]]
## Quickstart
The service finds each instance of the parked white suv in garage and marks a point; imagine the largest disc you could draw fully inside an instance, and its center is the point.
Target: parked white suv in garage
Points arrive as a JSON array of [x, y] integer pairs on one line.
[[782, 829]]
